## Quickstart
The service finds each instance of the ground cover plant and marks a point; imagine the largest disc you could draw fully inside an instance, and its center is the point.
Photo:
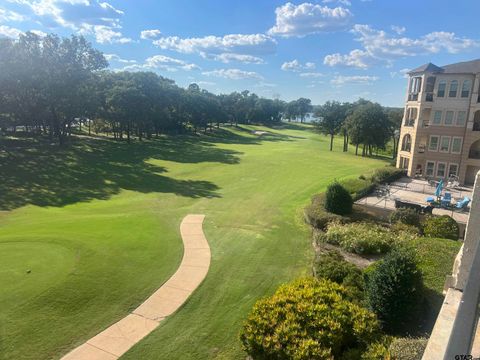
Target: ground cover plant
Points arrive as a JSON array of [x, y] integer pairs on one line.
[[97, 223], [441, 227]]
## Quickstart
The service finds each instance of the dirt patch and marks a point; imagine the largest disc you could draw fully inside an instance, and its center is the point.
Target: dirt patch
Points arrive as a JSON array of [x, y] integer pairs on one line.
[[360, 261]]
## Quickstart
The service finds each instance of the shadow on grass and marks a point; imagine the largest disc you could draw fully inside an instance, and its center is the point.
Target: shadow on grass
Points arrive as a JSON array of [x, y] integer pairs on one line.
[[34, 172]]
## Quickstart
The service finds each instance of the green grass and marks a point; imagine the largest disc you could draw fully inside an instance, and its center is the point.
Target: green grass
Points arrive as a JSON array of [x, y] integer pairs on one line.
[[97, 225], [435, 259]]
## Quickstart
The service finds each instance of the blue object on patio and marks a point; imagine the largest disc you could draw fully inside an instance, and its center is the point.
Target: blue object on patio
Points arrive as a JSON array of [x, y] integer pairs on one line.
[[462, 204], [438, 190], [447, 199], [430, 199]]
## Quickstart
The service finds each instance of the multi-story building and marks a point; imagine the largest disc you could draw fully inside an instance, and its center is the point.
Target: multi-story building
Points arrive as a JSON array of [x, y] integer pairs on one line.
[[440, 133]]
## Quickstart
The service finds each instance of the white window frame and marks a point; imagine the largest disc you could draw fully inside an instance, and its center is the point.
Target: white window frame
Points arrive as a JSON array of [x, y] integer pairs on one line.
[[468, 91], [445, 118], [450, 89], [433, 168], [441, 117], [442, 82], [461, 144], [464, 120], [449, 144], [449, 166], [444, 170], [430, 142]]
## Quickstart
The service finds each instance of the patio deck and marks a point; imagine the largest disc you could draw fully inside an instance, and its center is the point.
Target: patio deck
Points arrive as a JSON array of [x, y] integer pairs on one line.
[[416, 191]]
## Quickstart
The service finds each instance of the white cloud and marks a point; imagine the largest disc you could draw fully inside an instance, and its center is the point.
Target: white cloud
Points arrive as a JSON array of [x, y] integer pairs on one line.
[[399, 29], [340, 80], [296, 66], [379, 46], [7, 15], [307, 18], [105, 34], [231, 57], [115, 57], [312, 74], [233, 43], [233, 74], [162, 62], [9, 32], [87, 17], [150, 34], [39, 33], [356, 58]]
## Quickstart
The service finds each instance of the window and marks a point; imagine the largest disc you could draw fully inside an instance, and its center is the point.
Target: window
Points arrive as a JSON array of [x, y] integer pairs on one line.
[[407, 143], [410, 116], [467, 85], [461, 118], [452, 92], [415, 86], [404, 162], [437, 117], [433, 145], [452, 169], [429, 86], [457, 145], [445, 144], [449, 118], [430, 168], [441, 169], [442, 85]]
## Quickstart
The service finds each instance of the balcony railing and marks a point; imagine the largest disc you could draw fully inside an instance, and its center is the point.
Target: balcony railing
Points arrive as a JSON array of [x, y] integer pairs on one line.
[[409, 122]]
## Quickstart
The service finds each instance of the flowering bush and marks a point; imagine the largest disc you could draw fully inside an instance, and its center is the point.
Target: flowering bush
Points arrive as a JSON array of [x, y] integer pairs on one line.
[[360, 238]]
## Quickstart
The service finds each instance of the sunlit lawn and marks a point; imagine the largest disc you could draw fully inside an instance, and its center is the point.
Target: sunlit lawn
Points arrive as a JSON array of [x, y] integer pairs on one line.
[[89, 232]]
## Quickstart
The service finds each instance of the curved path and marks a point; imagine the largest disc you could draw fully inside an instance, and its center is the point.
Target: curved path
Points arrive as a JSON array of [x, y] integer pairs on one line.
[[114, 341]]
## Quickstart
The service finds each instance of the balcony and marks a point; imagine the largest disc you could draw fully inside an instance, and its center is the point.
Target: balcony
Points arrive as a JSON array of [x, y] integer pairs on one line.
[[409, 123], [429, 97], [421, 148]]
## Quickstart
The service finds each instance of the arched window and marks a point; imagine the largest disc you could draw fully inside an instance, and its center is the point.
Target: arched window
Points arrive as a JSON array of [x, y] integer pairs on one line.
[[442, 86], [407, 143], [476, 121], [452, 91], [467, 85], [474, 152]]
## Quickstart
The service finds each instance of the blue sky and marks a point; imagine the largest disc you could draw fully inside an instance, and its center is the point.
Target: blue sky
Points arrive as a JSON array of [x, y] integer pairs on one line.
[[323, 50]]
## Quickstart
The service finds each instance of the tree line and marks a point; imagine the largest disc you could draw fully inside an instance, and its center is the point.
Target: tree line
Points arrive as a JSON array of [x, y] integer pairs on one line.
[[52, 85], [362, 123]]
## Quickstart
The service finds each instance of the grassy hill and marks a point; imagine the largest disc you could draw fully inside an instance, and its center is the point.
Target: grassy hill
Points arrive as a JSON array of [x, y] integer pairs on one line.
[[88, 232]]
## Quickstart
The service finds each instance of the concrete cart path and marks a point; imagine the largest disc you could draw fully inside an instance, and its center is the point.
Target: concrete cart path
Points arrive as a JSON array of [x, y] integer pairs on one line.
[[117, 339]]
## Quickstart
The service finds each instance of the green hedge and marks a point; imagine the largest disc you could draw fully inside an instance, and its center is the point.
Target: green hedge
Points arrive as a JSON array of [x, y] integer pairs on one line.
[[317, 216], [441, 227], [360, 238], [332, 266], [394, 289], [338, 200], [405, 216], [407, 348], [308, 319]]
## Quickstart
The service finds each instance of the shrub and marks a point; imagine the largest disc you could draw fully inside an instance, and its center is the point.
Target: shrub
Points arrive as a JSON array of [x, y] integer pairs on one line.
[[394, 288], [317, 216], [338, 200], [387, 174], [404, 230], [332, 266], [360, 238], [408, 348], [405, 216], [441, 227], [307, 319]]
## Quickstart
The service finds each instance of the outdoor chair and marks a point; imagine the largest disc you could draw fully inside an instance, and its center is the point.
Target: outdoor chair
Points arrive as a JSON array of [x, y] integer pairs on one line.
[[462, 204], [447, 199]]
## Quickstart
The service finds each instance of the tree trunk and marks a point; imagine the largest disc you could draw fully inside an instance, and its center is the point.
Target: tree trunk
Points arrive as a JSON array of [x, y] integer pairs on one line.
[[356, 149], [331, 142]]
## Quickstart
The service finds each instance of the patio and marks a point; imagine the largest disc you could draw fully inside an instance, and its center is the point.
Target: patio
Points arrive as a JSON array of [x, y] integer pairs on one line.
[[416, 191]]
